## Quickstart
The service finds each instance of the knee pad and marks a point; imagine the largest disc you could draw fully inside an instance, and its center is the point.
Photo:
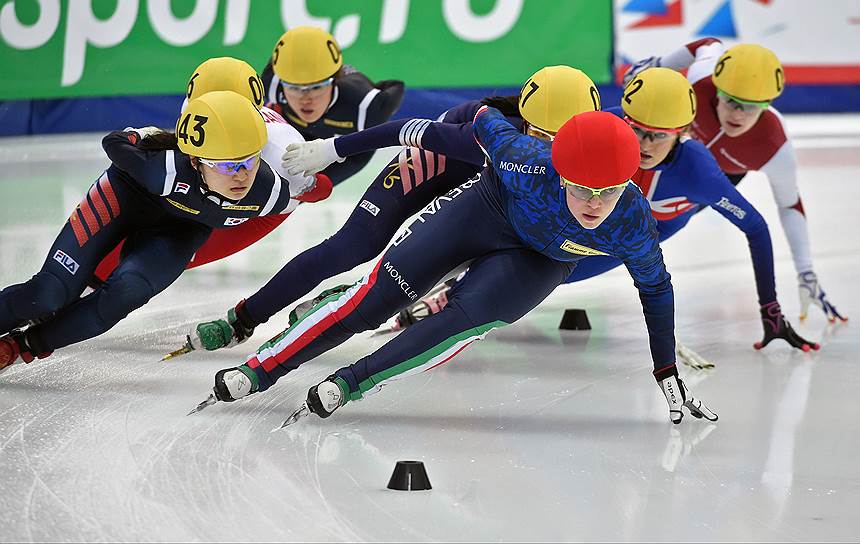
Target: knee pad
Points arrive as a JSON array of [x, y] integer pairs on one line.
[[122, 294]]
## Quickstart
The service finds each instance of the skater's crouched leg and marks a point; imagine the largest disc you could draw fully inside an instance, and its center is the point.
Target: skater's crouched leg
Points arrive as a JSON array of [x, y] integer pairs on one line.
[[123, 293], [42, 295]]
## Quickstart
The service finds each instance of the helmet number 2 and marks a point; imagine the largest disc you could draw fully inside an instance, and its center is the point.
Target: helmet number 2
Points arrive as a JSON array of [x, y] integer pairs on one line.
[[199, 121], [634, 87], [533, 88]]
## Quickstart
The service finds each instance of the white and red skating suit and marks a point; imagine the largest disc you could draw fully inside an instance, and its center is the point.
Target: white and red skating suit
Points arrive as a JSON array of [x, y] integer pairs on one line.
[[765, 147]]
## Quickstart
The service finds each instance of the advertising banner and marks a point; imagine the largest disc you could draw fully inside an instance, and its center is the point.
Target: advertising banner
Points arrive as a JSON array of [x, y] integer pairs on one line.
[[80, 48], [817, 42]]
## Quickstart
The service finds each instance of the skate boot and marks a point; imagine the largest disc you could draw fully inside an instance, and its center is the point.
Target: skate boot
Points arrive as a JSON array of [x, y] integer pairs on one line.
[[325, 397], [13, 346], [234, 383], [425, 307], [303, 307], [9, 351]]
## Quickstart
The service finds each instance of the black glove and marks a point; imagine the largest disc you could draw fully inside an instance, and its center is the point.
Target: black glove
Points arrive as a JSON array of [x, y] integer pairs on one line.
[[775, 326], [240, 320]]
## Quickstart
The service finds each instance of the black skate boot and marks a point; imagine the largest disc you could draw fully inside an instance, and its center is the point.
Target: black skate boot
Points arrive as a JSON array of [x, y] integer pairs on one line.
[[234, 383], [325, 397]]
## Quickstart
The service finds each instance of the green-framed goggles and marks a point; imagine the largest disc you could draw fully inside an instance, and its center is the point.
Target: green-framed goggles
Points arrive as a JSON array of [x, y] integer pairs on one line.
[[606, 194], [747, 106]]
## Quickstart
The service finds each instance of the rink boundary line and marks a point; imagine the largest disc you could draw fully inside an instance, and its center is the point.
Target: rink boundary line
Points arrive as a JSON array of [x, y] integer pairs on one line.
[[807, 130]]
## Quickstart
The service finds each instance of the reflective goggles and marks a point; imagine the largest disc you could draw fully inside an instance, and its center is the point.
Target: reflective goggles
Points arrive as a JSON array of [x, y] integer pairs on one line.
[[606, 194], [540, 133], [743, 105], [314, 89], [647, 133], [231, 167]]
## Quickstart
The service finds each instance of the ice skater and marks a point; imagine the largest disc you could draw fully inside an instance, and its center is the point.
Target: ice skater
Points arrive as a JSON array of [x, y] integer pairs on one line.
[[307, 82], [522, 225], [736, 122], [163, 194], [231, 74]]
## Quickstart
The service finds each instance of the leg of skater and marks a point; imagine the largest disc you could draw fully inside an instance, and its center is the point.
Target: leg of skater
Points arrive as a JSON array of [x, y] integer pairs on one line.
[[472, 311], [153, 259]]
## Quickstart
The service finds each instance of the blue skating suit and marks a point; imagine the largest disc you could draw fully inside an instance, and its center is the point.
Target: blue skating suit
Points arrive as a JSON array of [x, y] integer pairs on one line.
[[676, 189], [513, 227], [528, 188]]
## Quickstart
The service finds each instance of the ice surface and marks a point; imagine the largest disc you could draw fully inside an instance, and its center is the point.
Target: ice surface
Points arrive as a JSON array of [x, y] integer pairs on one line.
[[533, 434]]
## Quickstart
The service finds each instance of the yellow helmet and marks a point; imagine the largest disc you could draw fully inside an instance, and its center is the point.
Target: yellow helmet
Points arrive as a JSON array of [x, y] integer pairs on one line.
[[659, 98], [554, 94], [226, 74], [306, 55], [750, 73], [221, 125]]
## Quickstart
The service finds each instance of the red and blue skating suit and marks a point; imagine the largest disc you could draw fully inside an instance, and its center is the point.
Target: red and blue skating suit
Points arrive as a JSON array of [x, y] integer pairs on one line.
[[676, 189]]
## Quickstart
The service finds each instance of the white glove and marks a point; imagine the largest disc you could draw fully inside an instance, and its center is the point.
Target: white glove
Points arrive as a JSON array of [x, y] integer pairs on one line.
[[811, 293], [690, 357], [637, 67], [677, 395], [143, 132], [308, 158], [300, 184]]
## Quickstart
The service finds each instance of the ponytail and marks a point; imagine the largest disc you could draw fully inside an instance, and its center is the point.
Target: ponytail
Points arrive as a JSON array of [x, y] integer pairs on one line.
[[508, 105], [160, 141]]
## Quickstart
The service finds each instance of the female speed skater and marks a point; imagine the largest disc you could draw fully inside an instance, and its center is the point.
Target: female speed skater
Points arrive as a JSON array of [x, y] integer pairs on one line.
[[307, 82], [409, 183], [737, 123], [163, 194], [678, 175], [530, 216], [230, 74]]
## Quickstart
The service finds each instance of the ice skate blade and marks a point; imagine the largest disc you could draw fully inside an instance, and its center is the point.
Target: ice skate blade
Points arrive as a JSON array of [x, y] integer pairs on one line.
[[210, 400], [179, 352], [301, 412]]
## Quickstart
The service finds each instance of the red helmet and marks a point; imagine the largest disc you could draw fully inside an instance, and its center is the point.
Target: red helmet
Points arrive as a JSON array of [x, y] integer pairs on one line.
[[596, 149]]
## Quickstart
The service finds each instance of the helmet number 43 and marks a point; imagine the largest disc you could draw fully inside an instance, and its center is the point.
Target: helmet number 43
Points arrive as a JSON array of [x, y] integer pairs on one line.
[[199, 121]]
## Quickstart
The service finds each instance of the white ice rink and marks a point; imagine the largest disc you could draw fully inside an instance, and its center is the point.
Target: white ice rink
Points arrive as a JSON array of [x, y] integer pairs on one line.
[[533, 434]]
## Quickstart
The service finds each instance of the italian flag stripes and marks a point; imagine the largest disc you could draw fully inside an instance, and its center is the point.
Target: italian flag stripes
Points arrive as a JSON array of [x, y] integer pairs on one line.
[[429, 359], [329, 311], [335, 308]]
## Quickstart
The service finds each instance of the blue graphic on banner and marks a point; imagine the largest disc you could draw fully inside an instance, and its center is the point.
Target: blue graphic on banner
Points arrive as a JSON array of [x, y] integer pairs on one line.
[[721, 24], [652, 7]]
